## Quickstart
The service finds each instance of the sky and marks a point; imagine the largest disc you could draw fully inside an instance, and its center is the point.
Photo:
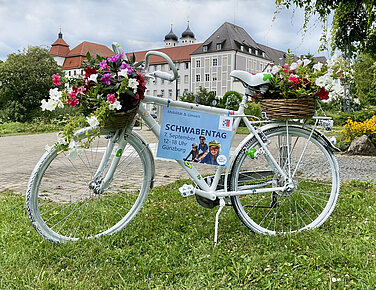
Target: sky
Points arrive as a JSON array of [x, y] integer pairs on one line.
[[142, 24]]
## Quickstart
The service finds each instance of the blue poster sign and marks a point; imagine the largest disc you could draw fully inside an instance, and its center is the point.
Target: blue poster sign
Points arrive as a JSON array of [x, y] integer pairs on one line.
[[195, 137]]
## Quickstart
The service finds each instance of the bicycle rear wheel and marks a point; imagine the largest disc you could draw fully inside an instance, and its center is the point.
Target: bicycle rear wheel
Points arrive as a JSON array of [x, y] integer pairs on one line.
[[316, 183], [64, 204]]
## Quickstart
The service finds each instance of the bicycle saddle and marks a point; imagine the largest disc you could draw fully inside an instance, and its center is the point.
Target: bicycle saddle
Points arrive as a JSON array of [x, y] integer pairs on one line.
[[251, 79]]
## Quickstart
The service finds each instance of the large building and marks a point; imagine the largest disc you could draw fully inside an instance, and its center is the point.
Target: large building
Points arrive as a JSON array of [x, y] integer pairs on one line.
[[207, 64], [70, 60]]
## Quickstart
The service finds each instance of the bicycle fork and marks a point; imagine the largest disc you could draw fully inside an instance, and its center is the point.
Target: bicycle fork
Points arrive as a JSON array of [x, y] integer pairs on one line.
[[100, 185]]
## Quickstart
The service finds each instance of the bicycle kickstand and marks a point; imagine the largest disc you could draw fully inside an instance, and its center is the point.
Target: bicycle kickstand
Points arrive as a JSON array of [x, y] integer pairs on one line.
[[222, 204]]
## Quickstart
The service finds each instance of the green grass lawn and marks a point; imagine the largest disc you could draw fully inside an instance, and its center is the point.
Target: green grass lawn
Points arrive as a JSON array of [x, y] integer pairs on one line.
[[169, 245]]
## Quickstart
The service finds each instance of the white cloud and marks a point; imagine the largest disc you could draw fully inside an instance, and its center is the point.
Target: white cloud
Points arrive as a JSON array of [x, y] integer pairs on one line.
[[142, 24]]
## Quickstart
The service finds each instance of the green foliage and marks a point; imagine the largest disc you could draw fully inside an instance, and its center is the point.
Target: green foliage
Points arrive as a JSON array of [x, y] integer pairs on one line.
[[25, 80], [202, 97], [365, 79], [169, 245], [230, 100], [353, 28]]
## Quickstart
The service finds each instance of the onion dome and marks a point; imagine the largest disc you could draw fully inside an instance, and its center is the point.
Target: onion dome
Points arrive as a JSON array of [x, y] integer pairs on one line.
[[171, 36], [188, 33]]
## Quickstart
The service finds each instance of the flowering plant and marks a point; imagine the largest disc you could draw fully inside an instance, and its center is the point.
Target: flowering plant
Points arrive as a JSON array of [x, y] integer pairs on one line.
[[109, 85], [304, 78]]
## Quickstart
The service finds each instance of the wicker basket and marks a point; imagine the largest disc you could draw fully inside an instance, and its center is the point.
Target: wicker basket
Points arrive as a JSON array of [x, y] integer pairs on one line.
[[298, 108], [120, 120]]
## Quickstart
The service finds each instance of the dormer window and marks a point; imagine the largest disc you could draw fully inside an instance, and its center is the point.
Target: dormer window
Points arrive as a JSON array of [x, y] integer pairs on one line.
[[205, 48], [241, 47], [219, 46]]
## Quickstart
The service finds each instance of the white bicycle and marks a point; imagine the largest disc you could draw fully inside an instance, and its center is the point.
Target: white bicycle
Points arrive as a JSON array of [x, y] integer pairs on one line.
[[282, 178]]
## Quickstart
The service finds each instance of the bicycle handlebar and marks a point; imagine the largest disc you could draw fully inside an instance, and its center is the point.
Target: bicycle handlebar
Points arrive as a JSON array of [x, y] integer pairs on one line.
[[160, 74], [117, 50]]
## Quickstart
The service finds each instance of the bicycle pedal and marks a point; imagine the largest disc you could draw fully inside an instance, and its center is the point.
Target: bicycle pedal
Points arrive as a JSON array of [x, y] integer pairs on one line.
[[187, 190]]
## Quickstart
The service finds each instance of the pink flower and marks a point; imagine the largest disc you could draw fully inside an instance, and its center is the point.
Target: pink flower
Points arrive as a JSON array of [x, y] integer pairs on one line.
[[56, 79], [72, 99], [111, 98], [286, 68], [103, 65], [81, 90], [294, 79], [106, 79]]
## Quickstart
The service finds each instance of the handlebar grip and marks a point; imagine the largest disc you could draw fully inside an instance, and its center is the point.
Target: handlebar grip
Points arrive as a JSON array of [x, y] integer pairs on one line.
[[163, 75]]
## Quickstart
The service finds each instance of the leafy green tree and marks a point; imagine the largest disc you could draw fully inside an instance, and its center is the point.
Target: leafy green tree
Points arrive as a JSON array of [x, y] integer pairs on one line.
[[25, 79], [353, 29], [365, 79], [230, 100], [202, 97]]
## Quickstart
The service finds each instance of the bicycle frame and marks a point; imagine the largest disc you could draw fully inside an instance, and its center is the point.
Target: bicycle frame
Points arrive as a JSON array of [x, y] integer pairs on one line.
[[204, 189]]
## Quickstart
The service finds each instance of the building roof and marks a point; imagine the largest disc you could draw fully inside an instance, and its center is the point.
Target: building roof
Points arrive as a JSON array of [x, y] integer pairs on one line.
[[277, 56], [171, 36], [188, 33], [78, 54], [177, 54], [231, 37], [59, 47]]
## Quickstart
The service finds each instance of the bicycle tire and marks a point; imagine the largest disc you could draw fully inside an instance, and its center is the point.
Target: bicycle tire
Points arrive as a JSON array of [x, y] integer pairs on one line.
[[316, 182], [63, 207]]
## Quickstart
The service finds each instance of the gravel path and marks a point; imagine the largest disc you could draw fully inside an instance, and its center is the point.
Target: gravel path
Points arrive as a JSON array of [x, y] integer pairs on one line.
[[19, 154]]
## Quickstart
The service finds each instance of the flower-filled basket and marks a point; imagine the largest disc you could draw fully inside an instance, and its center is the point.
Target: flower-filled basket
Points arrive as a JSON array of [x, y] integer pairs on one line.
[[295, 88], [106, 96]]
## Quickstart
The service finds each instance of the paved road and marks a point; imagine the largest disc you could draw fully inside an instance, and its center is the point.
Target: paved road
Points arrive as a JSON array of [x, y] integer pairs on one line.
[[19, 154]]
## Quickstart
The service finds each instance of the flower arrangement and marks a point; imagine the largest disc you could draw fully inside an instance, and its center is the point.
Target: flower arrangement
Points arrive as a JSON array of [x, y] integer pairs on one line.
[[305, 79], [353, 129], [109, 85]]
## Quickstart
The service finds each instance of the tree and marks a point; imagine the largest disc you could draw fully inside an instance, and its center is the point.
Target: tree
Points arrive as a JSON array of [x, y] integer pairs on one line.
[[353, 29], [230, 100], [25, 80], [202, 97], [365, 79]]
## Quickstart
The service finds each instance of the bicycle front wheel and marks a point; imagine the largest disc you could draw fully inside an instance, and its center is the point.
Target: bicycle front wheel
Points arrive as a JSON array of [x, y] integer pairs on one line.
[[63, 201], [315, 176]]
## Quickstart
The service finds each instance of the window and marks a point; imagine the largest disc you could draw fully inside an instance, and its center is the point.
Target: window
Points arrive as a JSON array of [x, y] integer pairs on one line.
[[162, 81], [186, 65], [154, 92], [170, 93], [215, 62], [205, 48], [186, 79], [261, 66], [207, 62], [224, 60], [214, 77], [198, 63], [198, 78], [162, 93], [163, 68], [219, 46], [207, 77]]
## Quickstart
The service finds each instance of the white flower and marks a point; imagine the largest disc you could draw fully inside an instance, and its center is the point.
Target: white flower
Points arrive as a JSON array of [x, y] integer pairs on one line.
[[320, 82], [133, 83], [299, 61], [55, 94], [293, 66], [60, 138], [306, 62], [275, 69], [318, 66], [93, 121], [115, 106], [93, 77], [49, 105], [123, 72]]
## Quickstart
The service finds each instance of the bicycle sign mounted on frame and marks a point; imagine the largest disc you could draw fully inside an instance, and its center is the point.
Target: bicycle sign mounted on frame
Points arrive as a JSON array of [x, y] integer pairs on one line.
[[283, 177]]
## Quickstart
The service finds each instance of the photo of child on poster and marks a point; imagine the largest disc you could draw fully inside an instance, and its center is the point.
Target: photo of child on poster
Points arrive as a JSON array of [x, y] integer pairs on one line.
[[184, 136]]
